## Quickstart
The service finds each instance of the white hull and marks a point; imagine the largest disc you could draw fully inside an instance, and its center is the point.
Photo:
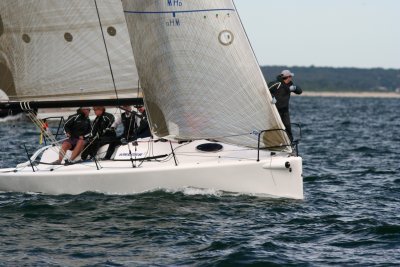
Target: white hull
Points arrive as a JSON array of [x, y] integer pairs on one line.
[[234, 169]]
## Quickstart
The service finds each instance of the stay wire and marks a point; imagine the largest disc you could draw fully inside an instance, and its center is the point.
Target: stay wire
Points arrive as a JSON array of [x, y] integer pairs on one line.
[[105, 45], [41, 125]]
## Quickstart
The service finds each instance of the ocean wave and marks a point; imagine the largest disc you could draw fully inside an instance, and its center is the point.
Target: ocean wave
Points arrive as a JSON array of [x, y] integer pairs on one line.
[[12, 118], [349, 216]]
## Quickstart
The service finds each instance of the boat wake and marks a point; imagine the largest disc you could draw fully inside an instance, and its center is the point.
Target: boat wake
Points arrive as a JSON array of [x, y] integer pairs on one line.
[[192, 191], [187, 191], [12, 118]]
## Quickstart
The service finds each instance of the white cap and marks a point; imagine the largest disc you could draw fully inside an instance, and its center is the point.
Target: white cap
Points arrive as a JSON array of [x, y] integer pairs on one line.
[[286, 73]]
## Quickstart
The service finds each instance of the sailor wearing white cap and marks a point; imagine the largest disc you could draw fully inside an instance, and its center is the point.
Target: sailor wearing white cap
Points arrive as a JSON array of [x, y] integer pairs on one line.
[[280, 91]]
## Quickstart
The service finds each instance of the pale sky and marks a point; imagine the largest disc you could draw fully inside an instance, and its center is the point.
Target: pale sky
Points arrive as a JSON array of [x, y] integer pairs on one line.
[[337, 33]]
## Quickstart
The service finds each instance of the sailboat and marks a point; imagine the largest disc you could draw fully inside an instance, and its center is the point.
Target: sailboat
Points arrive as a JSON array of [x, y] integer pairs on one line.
[[212, 117]]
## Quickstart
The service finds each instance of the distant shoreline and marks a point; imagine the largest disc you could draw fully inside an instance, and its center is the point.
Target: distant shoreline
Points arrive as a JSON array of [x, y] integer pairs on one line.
[[352, 94]]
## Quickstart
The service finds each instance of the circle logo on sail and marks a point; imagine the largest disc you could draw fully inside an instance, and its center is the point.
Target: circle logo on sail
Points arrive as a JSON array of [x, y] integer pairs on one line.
[[111, 31], [226, 37], [68, 37], [26, 38]]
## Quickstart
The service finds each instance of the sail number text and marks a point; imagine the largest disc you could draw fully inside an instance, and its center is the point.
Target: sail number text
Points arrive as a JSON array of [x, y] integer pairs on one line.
[[173, 22], [175, 3]]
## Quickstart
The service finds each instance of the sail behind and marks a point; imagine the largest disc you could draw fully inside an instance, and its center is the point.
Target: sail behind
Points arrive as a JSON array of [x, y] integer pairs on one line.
[[54, 49], [199, 75]]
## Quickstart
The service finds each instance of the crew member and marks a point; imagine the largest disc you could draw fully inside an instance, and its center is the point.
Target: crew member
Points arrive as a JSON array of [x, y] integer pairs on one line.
[[135, 126], [127, 119], [101, 133], [143, 129], [76, 127], [280, 91]]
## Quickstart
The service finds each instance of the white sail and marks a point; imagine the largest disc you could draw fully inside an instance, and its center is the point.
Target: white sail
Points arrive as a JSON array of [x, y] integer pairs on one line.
[[199, 74], [55, 49]]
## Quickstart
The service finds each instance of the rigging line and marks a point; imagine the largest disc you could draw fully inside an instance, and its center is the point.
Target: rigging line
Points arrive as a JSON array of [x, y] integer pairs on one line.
[[255, 57], [105, 45], [40, 124], [147, 154], [138, 89], [220, 137]]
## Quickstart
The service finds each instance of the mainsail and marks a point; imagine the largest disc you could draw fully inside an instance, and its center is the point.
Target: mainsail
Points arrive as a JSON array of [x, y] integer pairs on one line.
[[199, 75], [56, 49]]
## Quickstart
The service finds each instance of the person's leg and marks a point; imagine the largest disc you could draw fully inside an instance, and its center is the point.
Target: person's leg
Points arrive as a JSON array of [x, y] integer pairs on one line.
[[285, 117], [78, 149], [64, 148], [288, 125], [107, 140], [111, 148], [87, 149], [93, 148]]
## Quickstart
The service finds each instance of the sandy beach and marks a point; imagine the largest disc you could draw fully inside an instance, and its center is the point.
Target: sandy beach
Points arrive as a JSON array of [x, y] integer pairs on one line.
[[353, 94]]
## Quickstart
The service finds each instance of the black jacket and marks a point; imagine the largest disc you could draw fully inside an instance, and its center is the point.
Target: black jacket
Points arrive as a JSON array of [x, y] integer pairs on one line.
[[144, 129], [77, 125], [129, 123], [281, 92], [102, 125]]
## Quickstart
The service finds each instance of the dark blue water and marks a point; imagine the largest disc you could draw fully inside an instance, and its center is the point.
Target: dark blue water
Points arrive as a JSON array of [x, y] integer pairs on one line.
[[350, 215]]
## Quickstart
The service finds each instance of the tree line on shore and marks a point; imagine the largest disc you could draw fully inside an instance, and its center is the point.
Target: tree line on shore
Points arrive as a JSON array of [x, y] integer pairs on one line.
[[340, 79]]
